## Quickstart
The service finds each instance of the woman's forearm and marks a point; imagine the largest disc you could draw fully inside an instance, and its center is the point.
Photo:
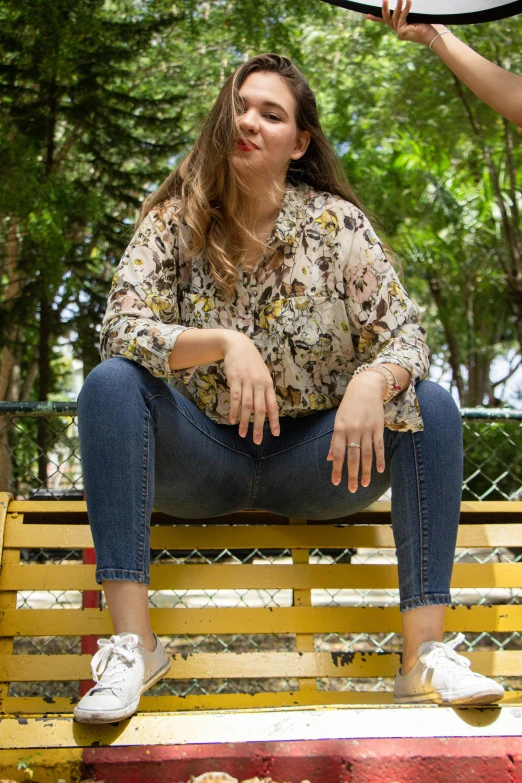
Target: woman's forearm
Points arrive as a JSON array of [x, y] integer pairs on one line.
[[500, 89], [199, 346]]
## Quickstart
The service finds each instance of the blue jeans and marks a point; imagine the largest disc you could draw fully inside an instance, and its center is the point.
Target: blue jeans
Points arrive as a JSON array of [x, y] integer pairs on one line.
[[144, 444]]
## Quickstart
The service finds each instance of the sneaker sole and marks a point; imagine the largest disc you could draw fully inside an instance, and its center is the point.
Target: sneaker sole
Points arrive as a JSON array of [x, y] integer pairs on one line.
[[448, 699], [84, 716]]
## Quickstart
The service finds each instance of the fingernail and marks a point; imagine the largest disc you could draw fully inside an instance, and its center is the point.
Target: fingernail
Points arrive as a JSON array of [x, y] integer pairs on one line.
[[276, 432], [336, 482]]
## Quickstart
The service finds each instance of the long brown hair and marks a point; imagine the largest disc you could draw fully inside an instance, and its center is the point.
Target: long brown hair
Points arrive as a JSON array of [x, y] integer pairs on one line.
[[205, 192]]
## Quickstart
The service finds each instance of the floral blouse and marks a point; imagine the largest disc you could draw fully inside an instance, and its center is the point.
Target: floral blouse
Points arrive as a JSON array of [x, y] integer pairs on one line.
[[333, 303]]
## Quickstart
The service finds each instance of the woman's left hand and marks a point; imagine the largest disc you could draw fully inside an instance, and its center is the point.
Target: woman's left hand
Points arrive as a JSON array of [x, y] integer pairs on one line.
[[360, 420]]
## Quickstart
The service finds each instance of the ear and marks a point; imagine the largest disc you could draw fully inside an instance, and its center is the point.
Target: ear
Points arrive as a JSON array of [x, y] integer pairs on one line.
[[301, 144]]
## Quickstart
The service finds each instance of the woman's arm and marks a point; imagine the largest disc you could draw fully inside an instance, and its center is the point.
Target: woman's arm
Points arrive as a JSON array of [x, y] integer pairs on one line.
[[500, 89], [387, 324], [198, 346], [250, 383], [141, 322]]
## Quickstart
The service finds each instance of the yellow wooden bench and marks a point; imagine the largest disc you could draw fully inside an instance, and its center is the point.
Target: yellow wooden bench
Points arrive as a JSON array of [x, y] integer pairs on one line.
[[305, 712]]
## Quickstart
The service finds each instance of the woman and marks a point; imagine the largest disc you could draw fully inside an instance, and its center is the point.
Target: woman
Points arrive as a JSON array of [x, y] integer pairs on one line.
[[500, 89], [255, 280]]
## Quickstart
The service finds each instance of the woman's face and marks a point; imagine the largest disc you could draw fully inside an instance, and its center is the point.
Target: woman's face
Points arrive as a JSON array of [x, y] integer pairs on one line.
[[268, 136]]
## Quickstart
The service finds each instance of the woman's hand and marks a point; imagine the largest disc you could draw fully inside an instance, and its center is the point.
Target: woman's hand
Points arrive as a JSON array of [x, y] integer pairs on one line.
[[251, 386], [418, 33], [359, 419]]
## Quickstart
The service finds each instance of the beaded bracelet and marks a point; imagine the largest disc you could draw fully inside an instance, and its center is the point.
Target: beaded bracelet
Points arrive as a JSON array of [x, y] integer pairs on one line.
[[392, 384]]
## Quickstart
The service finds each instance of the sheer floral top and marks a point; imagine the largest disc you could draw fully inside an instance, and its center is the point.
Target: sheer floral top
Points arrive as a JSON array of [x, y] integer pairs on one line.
[[334, 302]]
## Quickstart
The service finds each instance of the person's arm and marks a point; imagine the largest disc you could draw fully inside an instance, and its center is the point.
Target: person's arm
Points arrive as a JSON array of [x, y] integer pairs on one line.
[[386, 322], [250, 383], [198, 346], [500, 89], [141, 322]]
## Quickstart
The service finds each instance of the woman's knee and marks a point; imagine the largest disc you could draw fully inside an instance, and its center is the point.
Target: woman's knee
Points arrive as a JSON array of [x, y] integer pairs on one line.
[[111, 378], [437, 406]]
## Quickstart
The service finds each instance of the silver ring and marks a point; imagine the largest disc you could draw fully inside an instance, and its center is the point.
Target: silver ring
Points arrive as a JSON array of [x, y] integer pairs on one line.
[[353, 446]]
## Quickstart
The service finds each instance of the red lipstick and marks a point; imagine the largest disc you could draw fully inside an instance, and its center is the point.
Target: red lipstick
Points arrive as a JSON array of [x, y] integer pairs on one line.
[[246, 146]]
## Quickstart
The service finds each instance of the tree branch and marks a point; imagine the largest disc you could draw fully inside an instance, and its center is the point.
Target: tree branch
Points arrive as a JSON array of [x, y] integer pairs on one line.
[[511, 372]]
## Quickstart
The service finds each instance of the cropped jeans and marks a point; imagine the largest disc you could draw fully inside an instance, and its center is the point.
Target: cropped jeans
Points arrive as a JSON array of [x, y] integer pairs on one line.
[[145, 445]]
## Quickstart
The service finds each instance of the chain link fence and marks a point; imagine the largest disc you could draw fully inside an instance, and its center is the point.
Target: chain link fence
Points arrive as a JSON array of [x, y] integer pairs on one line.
[[39, 459]]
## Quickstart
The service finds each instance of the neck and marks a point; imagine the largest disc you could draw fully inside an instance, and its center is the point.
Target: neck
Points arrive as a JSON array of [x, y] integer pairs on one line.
[[268, 197]]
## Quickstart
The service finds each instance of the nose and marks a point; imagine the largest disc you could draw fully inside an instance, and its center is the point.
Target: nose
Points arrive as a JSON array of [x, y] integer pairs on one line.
[[248, 122]]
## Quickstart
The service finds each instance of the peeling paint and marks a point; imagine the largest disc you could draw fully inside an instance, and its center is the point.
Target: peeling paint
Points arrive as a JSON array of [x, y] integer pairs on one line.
[[342, 658]]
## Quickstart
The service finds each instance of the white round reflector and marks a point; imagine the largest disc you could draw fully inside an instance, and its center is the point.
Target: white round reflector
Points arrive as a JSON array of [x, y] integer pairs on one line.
[[442, 11]]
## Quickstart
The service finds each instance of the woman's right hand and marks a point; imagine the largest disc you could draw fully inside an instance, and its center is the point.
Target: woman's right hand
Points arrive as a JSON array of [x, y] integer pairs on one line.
[[251, 386], [417, 33]]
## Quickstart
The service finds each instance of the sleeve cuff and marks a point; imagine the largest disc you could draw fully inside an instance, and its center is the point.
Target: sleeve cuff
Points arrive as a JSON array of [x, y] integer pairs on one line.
[[155, 349], [393, 358], [418, 367]]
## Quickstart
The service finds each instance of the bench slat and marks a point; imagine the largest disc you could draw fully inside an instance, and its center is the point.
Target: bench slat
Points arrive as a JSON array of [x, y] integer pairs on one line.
[[223, 701], [270, 537], [75, 622], [167, 576], [71, 506], [305, 722], [227, 701], [62, 668]]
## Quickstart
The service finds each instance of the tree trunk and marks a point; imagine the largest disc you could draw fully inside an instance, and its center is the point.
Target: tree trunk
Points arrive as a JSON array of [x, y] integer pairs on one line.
[[29, 380], [453, 346], [12, 292], [7, 363], [6, 456]]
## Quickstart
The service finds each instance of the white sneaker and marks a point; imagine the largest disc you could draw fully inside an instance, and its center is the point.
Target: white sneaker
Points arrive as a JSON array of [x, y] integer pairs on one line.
[[441, 676], [122, 669]]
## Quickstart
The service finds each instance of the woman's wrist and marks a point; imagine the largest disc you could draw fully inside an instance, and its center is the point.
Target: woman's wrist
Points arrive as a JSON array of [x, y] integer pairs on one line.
[[372, 382], [228, 338], [394, 378], [439, 31]]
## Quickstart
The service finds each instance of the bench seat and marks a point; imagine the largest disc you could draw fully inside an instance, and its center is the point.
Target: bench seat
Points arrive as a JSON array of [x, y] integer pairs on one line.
[[309, 710]]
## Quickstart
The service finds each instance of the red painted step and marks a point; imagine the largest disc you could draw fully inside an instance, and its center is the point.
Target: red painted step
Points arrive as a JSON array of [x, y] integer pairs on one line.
[[452, 760]]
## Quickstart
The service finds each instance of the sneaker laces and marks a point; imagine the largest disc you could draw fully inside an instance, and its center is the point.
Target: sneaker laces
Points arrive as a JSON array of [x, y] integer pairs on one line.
[[444, 652], [110, 662]]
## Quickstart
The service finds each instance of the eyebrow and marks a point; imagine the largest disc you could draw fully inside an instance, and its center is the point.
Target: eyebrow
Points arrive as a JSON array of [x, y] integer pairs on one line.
[[267, 104]]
